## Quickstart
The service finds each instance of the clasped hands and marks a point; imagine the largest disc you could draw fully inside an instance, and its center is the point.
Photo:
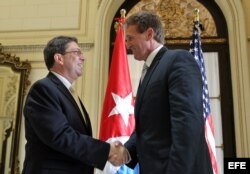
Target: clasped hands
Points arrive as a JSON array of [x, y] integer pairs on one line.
[[118, 154]]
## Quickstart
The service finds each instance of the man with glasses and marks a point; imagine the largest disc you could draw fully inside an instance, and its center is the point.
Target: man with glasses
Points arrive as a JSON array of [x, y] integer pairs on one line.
[[57, 125]]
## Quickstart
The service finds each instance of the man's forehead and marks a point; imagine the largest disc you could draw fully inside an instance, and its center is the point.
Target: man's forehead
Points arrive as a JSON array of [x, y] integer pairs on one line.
[[72, 45]]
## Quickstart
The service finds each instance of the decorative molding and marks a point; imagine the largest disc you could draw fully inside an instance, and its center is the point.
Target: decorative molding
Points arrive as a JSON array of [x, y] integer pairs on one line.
[[178, 16], [17, 164], [7, 126], [12, 87], [187, 41], [37, 48], [11, 95], [23, 68], [17, 65], [239, 61]]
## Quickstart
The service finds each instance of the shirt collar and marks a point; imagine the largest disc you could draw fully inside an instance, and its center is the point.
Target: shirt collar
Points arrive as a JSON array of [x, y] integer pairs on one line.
[[65, 82], [152, 55]]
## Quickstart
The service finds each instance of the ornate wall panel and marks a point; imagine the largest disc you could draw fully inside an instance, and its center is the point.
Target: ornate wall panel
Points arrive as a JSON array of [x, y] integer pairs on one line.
[[178, 15]]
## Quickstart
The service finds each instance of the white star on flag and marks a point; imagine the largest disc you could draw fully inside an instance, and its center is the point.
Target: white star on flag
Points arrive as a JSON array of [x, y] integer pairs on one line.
[[123, 107]]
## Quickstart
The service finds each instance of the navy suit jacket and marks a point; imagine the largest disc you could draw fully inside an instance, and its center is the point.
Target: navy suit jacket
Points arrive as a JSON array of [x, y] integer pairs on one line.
[[169, 137], [58, 139]]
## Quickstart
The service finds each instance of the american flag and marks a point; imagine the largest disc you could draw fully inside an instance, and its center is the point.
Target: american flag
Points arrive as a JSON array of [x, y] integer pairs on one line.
[[196, 51]]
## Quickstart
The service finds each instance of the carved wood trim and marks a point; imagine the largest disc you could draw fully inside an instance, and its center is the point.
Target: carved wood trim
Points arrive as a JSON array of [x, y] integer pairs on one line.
[[23, 68], [37, 48]]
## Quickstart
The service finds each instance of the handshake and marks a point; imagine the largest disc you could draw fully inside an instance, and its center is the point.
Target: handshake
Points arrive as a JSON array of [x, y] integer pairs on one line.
[[118, 154]]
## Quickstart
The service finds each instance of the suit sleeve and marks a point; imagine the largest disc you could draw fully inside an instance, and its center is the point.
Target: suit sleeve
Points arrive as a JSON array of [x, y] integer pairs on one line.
[[45, 117], [187, 123], [131, 146]]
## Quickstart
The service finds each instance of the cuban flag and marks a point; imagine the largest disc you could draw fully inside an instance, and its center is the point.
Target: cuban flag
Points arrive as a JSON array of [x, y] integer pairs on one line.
[[118, 122]]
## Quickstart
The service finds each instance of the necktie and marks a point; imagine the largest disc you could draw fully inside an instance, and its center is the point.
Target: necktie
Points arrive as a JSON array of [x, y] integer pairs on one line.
[[144, 71], [75, 96]]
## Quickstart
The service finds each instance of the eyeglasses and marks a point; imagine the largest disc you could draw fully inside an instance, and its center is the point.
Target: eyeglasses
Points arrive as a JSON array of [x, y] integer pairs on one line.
[[76, 52]]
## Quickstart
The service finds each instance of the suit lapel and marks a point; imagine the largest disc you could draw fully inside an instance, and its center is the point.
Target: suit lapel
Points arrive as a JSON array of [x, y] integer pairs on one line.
[[67, 93], [142, 87]]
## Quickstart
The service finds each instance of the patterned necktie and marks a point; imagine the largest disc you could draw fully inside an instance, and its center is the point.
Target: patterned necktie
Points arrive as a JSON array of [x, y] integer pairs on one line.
[[144, 71], [75, 96]]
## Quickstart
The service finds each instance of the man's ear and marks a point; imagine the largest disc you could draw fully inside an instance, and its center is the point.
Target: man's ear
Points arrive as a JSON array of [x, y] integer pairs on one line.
[[150, 33], [58, 58]]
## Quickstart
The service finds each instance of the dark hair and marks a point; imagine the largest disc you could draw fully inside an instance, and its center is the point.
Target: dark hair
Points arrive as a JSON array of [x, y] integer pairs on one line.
[[145, 20], [56, 45]]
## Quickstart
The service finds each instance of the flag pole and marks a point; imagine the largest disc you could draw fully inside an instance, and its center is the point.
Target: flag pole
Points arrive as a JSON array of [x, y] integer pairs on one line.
[[196, 14], [123, 14], [120, 20], [197, 19], [197, 23]]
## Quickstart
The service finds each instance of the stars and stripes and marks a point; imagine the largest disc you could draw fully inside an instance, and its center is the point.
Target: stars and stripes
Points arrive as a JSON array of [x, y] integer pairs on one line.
[[195, 49]]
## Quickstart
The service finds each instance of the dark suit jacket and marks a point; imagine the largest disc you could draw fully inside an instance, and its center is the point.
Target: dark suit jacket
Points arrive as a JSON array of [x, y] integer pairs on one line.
[[169, 137], [58, 140]]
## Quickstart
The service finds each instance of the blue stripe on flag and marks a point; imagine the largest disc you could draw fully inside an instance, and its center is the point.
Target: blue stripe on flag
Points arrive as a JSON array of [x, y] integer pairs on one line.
[[126, 170]]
